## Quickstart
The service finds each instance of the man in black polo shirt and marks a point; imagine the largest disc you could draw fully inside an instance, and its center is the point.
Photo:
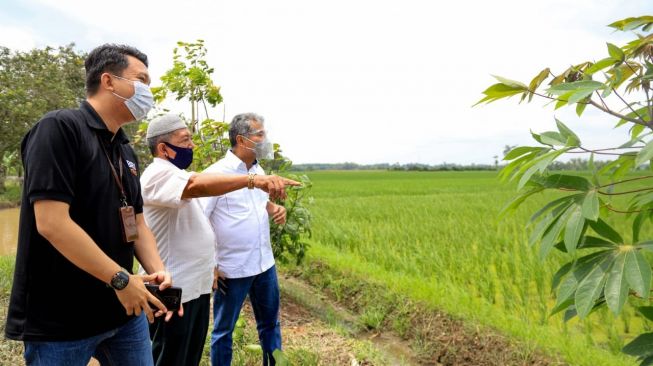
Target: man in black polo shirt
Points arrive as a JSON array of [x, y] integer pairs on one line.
[[81, 225]]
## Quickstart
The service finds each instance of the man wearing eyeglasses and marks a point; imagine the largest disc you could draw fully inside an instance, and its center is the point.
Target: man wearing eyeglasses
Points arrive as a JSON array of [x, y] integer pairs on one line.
[[240, 220]]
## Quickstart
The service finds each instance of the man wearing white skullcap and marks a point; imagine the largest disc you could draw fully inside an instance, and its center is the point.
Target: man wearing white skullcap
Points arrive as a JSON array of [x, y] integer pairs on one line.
[[184, 236]]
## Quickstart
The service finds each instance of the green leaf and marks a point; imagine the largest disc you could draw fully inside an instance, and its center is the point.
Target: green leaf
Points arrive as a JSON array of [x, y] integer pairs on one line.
[[647, 361], [645, 245], [616, 286], [606, 231], [638, 273], [535, 83], [591, 206], [574, 229], [592, 168], [616, 52], [627, 164], [552, 233], [521, 150], [641, 346], [553, 138], [594, 242], [560, 273], [632, 23], [588, 242], [566, 199], [636, 130], [637, 225], [539, 164], [600, 65], [589, 289], [547, 222], [565, 296], [646, 311], [571, 312], [564, 181], [645, 154], [511, 83], [507, 171], [567, 133], [518, 201], [580, 108], [499, 91], [579, 95], [567, 302], [575, 87]]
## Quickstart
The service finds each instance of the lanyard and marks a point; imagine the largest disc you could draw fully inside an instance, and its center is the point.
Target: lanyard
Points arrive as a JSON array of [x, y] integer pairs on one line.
[[123, 197]]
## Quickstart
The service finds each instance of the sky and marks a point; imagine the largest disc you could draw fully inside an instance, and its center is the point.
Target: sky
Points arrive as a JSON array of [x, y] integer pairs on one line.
[[358, 81]]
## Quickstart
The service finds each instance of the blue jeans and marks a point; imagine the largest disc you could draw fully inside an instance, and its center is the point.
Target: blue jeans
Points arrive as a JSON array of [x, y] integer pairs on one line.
[[263, 290], [128, 345]]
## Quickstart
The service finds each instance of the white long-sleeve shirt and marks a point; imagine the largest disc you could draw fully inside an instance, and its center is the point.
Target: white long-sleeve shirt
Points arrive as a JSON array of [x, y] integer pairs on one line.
[[240, 222]]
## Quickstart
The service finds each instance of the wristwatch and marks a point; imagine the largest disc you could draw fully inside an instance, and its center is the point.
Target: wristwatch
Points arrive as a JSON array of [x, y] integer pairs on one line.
[[120, 280]]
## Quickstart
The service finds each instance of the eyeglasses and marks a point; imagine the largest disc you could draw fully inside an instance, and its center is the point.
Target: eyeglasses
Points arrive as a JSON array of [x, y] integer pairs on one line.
[[259, 133]]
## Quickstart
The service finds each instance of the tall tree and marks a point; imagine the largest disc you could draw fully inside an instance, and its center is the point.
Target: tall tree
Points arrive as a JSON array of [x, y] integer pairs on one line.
[[606, 267], [31, 84]]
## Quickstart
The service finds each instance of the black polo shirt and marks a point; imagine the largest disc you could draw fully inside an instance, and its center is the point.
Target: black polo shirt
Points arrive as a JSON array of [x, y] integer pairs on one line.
[[51, 298]]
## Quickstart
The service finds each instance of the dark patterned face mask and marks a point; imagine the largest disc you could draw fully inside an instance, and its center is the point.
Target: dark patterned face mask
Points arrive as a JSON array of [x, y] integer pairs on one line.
[[183, 158]]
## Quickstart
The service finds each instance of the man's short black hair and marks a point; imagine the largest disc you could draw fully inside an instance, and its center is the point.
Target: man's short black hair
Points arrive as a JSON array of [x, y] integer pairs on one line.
[[108, 58]]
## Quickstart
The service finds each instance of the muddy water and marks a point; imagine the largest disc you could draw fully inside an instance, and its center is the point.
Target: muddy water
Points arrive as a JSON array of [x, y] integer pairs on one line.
[[8, 230]]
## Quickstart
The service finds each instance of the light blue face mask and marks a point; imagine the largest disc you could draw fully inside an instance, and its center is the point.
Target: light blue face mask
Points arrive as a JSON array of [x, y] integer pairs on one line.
[[141, 102]]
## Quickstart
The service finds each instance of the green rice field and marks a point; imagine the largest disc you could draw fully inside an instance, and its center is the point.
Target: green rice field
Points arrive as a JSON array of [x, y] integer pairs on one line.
[[437, 238]]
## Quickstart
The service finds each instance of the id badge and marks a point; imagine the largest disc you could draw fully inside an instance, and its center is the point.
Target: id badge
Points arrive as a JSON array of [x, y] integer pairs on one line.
[[128, 220]]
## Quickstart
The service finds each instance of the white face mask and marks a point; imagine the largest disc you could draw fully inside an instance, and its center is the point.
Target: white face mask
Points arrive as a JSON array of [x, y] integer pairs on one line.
[[141, 102], [263, 149]]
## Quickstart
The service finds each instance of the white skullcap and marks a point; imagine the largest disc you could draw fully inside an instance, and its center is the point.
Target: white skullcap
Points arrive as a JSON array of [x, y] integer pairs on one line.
[[164, 124]]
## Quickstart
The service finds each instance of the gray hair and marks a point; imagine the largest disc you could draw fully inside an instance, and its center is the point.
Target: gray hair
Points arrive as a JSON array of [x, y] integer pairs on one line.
[[241, 125], [152, 142]]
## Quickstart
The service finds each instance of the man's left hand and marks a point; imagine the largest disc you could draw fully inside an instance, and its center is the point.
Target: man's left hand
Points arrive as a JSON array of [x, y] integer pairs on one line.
[[278, 214], [164, 280]]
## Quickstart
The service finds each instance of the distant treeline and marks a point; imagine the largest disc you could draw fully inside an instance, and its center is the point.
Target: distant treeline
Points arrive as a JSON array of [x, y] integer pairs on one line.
[[396, 166], [572, 164]]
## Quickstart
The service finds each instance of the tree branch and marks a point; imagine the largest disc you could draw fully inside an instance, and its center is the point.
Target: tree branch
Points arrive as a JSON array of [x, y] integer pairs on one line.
[[626, 192], [614, 91], [600, 107], [625, 181], [624, 212], [609, 111]]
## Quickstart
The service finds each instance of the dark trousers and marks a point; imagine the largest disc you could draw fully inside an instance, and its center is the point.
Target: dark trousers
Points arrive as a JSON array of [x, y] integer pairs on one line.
[[180, 341]]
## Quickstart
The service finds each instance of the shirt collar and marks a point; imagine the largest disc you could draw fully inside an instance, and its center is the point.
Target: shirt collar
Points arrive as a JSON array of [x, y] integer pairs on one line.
[[95, 122], [234, 162]]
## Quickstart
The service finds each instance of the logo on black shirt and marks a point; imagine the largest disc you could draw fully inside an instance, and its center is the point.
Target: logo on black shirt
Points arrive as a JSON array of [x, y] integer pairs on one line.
[[132, 167]]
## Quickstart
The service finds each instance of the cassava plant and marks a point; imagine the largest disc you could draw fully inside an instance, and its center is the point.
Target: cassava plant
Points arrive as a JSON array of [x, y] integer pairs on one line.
[[607, 265]]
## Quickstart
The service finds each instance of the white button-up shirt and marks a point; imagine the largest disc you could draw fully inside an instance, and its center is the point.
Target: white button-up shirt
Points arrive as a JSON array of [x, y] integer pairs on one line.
[[183, 234], [240, 222]]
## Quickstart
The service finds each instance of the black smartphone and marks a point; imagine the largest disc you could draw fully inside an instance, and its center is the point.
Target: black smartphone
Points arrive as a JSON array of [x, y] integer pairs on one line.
[[170, 297]]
